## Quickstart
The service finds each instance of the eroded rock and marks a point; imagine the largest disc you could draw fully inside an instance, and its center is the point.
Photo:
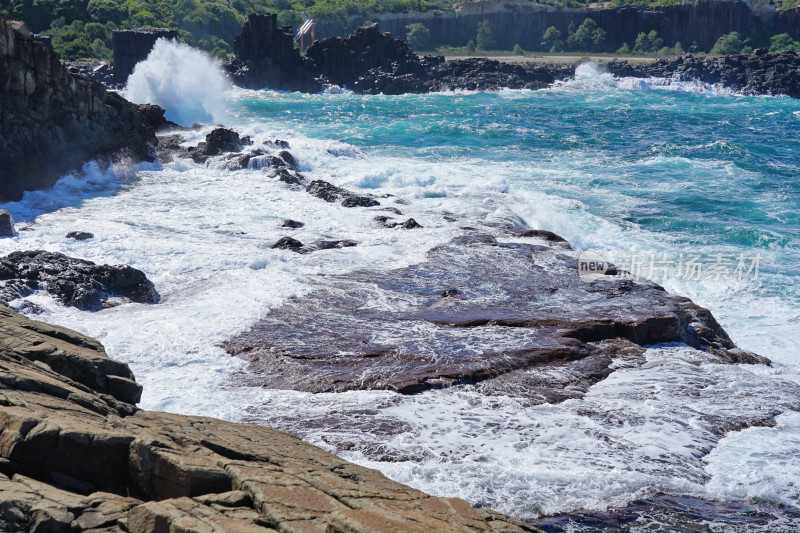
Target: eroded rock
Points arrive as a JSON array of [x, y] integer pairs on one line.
[[517, 306], [74, 282]]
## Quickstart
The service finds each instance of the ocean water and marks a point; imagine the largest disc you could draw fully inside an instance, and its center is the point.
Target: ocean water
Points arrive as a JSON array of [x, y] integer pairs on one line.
[[651, 174]]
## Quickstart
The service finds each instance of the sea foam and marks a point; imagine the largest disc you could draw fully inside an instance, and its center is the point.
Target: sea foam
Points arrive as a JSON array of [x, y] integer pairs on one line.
[[188, 83]]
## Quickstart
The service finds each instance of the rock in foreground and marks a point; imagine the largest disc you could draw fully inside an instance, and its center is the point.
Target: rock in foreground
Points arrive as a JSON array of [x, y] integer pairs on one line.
[[476, 310], [77, 455]]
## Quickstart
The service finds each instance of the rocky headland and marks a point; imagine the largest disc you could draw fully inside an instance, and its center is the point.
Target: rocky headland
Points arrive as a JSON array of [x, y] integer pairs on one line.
[[76, 454], [51, 121], [372, 62], [368, 62]]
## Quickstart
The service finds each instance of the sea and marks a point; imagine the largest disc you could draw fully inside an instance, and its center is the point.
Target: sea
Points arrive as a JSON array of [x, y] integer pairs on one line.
[[691, 185]]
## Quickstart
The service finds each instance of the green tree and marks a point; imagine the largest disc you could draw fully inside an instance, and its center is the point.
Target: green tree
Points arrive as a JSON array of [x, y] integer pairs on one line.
[[782, 42], [624, 50], [470, 46], [484, 40], [731, 43], [418, 36], [518, 50], [648, 42], [587, 37], [551, 40]]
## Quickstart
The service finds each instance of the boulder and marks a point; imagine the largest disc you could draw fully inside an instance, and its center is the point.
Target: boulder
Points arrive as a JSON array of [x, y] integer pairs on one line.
[[80, 235], [6, 224], [74, 282]]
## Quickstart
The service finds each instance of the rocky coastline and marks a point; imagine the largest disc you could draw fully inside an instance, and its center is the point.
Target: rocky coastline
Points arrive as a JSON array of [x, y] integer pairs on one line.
[[759, 73], [76, 454], [372, 62], [51, 122]]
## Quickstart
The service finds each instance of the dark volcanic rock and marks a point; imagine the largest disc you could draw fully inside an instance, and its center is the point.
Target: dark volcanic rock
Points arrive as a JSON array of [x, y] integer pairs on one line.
[[80, 235], [52, 122], [293, 224], [370, 62], [286, 175], [757, 73], [288, 243], [517, 306], [331, 193], [6, 223], [74, 282], [265, 56]]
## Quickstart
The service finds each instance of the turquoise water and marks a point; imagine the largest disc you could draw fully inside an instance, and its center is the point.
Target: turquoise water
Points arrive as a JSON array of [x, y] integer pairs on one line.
[[626, 171]]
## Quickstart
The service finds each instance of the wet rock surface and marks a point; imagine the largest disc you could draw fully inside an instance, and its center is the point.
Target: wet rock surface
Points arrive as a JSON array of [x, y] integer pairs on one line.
[[76, 454], [757, 73], [331, 193], [51, 122], [477, 310], [74, 282]]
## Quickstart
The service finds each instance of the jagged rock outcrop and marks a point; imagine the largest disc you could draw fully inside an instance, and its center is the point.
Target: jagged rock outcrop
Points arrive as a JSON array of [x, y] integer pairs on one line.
[[477, 311], [75, 282], [368, 62], [133, 46], [77, 455], [52, 122], [757, 73], [265, 56]]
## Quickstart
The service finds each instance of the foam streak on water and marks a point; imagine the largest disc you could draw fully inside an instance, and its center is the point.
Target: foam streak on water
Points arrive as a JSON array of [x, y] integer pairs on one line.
[[610, 166]]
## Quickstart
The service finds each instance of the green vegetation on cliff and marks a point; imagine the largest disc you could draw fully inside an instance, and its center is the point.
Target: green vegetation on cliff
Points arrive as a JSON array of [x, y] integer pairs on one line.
[[82, 28]]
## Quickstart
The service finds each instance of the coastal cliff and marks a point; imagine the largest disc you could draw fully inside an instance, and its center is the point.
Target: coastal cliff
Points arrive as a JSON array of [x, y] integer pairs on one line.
[[523, 22], [51, 122], [76, 454]]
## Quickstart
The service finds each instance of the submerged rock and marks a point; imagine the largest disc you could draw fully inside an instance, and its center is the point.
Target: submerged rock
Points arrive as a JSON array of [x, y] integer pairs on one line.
[[80, 235], [331, 193], [293, 224], [74, 282], [517, 307], [288, 243]]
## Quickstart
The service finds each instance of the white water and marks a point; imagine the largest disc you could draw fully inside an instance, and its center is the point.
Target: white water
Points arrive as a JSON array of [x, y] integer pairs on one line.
[[202, 235], [187, 82]]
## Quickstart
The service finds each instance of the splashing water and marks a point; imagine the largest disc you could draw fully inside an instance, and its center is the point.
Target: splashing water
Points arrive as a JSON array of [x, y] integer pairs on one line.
[[188, 83]]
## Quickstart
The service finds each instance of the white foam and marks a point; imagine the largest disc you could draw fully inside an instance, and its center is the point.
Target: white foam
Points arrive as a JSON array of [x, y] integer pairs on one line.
[[188, 83]]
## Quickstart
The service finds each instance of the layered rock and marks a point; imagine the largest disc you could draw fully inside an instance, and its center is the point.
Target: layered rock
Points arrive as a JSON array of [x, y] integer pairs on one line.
[[77, 455], [477, 311], [757, 73], [51, 122]]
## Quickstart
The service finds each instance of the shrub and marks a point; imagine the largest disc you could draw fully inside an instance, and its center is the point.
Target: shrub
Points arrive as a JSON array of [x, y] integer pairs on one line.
[[551, 40], [782, 42], [587, 37], [418, 36], [731, 43], [518, 50], [648, 42]]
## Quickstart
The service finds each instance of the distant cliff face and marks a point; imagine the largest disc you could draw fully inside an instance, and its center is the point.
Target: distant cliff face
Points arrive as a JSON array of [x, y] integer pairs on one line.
[[50, 121], [524, 23], [788, 21]]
